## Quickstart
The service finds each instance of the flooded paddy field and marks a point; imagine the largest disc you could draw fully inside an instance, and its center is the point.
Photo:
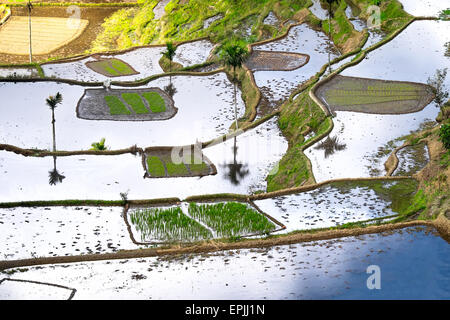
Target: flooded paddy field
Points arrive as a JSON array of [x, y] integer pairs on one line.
[[60, 231], [424, 7], [300, 39], [197, 119], [331, 269], [192, 53], [337, 203], [257, 152], [393, 61], [412, 159]]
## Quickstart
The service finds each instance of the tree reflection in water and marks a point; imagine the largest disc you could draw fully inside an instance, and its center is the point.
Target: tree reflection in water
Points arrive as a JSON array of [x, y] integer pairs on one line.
[[330, 145], [236, 171]]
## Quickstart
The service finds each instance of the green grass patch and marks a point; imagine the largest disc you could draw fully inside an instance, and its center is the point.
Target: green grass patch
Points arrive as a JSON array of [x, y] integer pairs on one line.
[[121, 67], [231, 219], [135, 101], [167, 225], [155, 101], [176, 169], [200, 168], [116, 106], [155, 167]]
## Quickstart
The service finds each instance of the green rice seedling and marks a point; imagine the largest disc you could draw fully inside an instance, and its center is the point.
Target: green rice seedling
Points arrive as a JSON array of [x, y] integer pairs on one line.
[[135, 101], [231, 219], [176, 169], [155, 101], [121, 67], [155, 167], [116, 106], [169, 224]]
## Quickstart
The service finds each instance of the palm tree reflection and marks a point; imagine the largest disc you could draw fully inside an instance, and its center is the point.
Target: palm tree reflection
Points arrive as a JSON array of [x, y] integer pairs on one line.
[[54, 177], [236, 171], [170, 89], [330, 146]]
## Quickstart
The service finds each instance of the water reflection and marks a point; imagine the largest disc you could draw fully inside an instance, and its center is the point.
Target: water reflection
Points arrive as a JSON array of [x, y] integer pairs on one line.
[[170, 88], [330, 145], [236, 171], [54, 177]]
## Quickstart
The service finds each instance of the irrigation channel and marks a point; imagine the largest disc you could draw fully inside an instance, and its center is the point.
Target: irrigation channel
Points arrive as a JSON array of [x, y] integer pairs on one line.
[[111, 247]]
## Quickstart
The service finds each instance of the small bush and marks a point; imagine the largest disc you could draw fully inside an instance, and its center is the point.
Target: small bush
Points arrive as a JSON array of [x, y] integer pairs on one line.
[[444, 135]]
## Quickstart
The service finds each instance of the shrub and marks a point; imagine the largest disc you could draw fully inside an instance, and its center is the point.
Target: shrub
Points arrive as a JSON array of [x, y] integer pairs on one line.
[[444, 135]]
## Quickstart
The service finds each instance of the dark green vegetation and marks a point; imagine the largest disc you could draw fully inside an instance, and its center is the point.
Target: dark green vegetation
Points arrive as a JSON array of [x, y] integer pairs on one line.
[[111, 67], [116, 106], [155, 101], [167, 225], [231, 219], [169, 54], [444, 135]]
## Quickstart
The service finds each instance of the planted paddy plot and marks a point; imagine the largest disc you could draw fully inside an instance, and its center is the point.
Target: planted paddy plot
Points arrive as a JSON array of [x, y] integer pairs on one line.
[[105, 177], [364, 134], [231, 219], [111, 67], [15, 289], [412, 159], [193, 53], [374, 96], [205, 111], [328, 269], [145, 61], [275, 61], [171, 162], [193, 222], [61, 231], [300, 39], [339, 203], [126, 105], [48, 34], [150, 225]]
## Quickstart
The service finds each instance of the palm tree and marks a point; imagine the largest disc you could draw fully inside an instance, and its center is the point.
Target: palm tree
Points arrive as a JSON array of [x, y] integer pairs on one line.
[[170, 53], [330, 15], [99, 146], [53, 102], [234, 55], [30, 7], [330, 145]]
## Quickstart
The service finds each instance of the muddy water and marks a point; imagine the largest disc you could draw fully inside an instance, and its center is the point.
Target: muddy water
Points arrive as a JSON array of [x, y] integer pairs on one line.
[[326, 207], [401, 59], [316, 270], [59, 231], [278, 85], [104, 177], [205, 111], [96, 17]]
